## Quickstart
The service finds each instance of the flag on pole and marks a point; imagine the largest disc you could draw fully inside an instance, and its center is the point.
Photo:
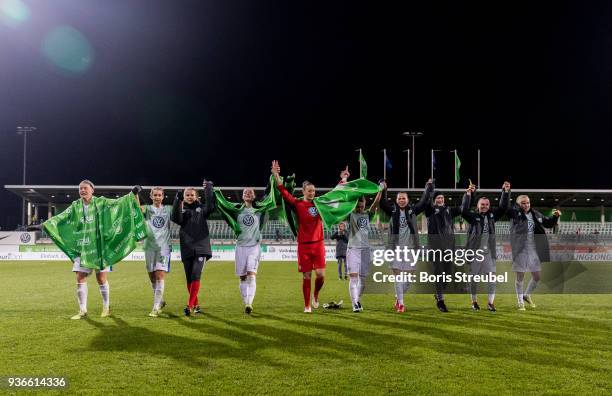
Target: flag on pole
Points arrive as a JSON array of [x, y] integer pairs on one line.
[[434, 164], [363, 167], [457, 166], [388, 165]]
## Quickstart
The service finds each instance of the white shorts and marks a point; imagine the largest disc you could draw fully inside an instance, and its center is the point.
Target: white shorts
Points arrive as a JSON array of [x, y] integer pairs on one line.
[[76, 267], [247, 259], [358, 261], [527, 261], [483, 267], [157, 260]]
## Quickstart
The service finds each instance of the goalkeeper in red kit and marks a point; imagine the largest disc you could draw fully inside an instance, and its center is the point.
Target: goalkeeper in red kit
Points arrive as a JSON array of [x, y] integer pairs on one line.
[[311, 250]]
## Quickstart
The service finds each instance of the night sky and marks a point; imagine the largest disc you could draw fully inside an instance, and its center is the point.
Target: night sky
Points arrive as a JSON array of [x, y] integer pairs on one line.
[[170, 92]]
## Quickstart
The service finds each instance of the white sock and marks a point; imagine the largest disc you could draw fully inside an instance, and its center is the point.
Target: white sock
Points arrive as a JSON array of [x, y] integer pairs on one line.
[[251, 287], [82, 296], [243, 290], [105, 293], [153, 286], [518, 286], [405, 286], [491, 292], [354, 289], [158, 295], [362, 284], [399, 292], [531, 286]]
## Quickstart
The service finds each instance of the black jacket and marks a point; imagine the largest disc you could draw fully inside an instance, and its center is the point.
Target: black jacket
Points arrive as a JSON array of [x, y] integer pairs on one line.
[[411, 212], [518, 231], [440, 226], [194, 234], [476, 221], [341, 243]]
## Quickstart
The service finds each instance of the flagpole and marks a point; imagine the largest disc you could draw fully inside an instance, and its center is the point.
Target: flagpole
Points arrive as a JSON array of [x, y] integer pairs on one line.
[[432, 164], [385, 164], [455, 175], [408, 166], [478, 169], [359, 160]]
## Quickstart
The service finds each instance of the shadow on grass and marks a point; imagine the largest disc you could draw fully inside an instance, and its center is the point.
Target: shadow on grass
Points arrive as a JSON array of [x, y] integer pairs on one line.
[[264, 339]]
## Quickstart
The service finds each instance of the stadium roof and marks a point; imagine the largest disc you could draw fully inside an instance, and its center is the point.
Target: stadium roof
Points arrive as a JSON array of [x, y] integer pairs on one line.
[[64, 194]]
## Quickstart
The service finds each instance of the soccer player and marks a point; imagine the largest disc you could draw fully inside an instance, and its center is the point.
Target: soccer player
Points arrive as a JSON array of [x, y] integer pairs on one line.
[[403, 232], [191, 214], [481, 235], [311, 250], [247, 220], [441, 236], [78, 232], [529, 245], [341, 243], [359, 252], [157, 246]]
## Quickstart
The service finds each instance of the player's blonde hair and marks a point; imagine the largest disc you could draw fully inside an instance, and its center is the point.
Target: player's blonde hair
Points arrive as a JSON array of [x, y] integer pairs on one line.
[[88, 182], [156, 189], [195, 190], [520, 198]]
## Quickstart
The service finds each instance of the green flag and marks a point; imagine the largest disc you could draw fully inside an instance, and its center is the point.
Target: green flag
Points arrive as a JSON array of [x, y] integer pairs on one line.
[[101, 237], [335, 205], [457, 166], [230, 210], [363, 167]]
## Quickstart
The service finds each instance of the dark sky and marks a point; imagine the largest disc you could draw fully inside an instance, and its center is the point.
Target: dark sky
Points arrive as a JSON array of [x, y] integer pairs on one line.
[[181, 90]]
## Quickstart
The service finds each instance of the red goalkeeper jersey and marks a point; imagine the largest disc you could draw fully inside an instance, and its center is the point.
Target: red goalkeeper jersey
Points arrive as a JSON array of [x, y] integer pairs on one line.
[[310, 225]]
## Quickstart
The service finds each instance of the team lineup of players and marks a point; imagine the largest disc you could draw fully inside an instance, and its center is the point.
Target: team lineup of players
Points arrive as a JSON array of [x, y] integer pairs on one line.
[[353, 249]]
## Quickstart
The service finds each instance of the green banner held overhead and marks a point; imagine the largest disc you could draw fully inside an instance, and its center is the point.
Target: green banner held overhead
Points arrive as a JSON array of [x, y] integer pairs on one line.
[[337, 204], [101, 236]]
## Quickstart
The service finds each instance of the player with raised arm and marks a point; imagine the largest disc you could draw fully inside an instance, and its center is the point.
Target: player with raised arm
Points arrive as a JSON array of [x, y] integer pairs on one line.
[[191, 214], [359, 251], [157, 247], [481, 235], [95, 233], [529, 245], [311, 250], [247, 220], [403, 232]]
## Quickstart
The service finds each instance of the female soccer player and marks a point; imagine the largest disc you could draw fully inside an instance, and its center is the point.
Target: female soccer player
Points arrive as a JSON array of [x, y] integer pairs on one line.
[[247, 220], [157, 247], [529, 245], [311, 250], [359, 252], [403, 232], [95, 233], [191, 215]]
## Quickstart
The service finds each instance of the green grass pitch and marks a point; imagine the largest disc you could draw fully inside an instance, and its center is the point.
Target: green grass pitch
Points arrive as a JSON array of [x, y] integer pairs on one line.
[[562, 347]]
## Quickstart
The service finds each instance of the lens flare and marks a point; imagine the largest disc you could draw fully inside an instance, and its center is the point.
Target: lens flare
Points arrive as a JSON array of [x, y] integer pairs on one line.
[[68, 49]]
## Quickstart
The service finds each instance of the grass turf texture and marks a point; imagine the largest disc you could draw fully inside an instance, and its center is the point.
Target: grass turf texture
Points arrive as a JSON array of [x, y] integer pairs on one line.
[[563, 346]]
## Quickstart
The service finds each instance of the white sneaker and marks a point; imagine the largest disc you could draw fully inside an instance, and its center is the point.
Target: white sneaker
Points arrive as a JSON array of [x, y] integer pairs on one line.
[[356, 308], [307, 310], [105, 313], [521, 307], [80, 315], [315, 303], [154, 313]]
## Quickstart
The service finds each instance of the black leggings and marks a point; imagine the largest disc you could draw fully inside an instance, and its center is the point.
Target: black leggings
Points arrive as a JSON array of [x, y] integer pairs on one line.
[[193, 268]]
